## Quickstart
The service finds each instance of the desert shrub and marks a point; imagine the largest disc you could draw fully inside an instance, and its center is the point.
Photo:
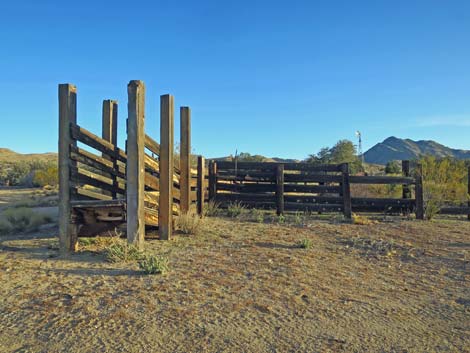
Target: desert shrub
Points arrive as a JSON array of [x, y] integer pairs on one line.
[[235, 209], [5, 227], [393, 167], [305, 243], [121, 251], [151, 264], [189, 222], [24, 219], [211, 208], [257, 215], [444, 182], [46, 176]]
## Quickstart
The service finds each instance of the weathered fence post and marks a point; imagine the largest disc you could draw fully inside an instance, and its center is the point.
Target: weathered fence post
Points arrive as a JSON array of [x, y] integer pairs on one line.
[[135, 168], [67, 116], [346, 191], [280, 189], [166, 167], [109, 133], [200, 185], [405, 168], [419, 195], [212, 180], [185, 153]]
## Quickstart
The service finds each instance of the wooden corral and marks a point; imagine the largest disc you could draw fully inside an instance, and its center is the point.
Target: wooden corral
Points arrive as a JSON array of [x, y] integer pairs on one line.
[[306, 187], [103, 187]]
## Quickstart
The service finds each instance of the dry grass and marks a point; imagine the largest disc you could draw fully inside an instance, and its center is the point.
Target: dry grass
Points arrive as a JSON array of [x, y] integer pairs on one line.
[[248, 287], [189, 222]]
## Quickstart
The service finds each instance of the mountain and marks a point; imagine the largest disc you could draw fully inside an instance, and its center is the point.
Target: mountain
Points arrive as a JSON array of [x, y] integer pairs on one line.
[[394, 148], [7, 155]]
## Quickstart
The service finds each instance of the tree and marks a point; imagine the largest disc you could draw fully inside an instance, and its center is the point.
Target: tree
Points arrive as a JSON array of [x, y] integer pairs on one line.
[[392, 167], [246, 157], [343, 151]]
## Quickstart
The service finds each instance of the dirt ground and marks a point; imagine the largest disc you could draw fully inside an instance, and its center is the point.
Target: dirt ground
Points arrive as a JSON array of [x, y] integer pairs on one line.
[[242, 286]]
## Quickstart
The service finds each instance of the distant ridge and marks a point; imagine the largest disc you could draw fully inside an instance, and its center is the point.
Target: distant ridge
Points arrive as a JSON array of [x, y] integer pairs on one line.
[[394, 148], [7, 155]]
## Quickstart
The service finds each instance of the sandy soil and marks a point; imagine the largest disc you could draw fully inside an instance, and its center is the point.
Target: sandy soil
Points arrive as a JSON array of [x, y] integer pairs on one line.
[[246, 287]]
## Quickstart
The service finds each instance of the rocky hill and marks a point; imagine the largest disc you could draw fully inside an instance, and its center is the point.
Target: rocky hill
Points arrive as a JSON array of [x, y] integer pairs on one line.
[[394, 148]]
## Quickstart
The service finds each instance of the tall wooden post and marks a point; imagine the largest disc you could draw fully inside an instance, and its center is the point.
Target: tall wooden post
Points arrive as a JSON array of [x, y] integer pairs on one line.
[[346, 191], [185, 153], [212, 180], [468, 191], [67, 116], [200, 185], [280, 189], [135, 168], [109, 133], [165, 223], [419, 192], [405, 168]]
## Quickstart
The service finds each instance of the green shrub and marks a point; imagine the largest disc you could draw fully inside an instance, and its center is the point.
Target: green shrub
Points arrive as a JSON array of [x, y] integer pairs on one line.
[[305, 243], [151, 264], [121, 251], [189, 222], [5, 227], [235, 209], [48, 176], [257, 215], [281, 219]]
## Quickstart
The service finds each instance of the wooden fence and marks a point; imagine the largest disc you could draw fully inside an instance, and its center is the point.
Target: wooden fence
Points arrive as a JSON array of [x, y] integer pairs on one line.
[[306, 187], [102, 186]]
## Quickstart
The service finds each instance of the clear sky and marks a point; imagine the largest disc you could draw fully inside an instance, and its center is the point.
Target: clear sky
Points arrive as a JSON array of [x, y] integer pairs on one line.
[[278, 78]]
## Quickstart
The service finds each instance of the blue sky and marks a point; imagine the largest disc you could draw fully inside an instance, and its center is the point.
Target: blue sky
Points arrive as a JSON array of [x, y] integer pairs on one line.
[[266, 77]]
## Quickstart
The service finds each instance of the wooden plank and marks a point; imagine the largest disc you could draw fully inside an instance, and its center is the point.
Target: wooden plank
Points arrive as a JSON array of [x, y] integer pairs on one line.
[[87, 158], [200, 185], [88, 138], [247, 187], [455, 210], [185, 152], [382, 202], [152, 145], [246, 197], [366, 179], [212, 180], [109, 131], [166, 166], [313, 199], [105, 203], [68, 239], [151, 164], [405, 168], [312, 207], [312, 178], [136, 163], [313, 189], [272, 166], [346, 191], [248, 175], [83, 176], [280, 189], [419, 192], [151, 181], [89, 194]]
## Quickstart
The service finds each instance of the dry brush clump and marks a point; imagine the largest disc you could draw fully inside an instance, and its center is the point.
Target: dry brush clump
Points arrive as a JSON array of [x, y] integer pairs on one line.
[[189, 222], [22, 219]]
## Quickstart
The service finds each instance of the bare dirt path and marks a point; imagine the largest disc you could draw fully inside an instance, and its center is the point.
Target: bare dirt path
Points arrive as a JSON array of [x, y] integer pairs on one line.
[[246, 287]]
